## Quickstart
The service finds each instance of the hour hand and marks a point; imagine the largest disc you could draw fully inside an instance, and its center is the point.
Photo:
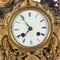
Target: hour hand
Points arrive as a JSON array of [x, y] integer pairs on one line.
[[24, 20], [24, 34]]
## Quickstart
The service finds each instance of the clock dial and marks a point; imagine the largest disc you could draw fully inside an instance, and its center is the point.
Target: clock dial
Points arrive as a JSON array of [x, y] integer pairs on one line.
[[30, 28]]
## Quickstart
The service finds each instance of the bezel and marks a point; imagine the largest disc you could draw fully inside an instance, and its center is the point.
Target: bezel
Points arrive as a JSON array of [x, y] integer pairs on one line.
[[41, 10]]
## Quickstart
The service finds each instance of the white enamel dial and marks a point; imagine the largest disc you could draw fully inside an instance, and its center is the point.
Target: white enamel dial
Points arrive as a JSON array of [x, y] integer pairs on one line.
[[30, 28]]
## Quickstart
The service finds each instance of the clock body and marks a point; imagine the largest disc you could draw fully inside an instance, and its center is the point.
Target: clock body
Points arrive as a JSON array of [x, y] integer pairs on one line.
[[30, 28], [37, 23]]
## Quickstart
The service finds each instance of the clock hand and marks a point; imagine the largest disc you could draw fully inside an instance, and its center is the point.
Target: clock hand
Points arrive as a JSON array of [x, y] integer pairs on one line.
[[24, 34], [29, 29], [24, 20]]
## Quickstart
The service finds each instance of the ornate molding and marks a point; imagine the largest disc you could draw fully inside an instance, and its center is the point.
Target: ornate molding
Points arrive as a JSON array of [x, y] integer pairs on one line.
[[52, 52], [4, 3], [11, 52]]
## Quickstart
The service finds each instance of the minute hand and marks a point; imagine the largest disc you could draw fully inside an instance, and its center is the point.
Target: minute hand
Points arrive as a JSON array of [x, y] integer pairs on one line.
[[24, 20]]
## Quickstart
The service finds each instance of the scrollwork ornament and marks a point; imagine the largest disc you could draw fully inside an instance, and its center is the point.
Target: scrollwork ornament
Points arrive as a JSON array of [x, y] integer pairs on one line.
[[9, 51]]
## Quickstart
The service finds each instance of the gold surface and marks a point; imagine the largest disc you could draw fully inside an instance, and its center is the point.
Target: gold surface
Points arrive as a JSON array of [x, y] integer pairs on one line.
[[49, 20], [4, 3], [9, 50], [32, 57]]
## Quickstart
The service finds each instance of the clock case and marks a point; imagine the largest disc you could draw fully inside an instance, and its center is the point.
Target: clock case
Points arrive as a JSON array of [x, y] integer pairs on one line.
[[33, 6], [8, 43]]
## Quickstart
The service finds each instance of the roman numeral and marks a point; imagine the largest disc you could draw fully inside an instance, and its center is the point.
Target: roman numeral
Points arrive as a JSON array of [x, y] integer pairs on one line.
[[38, 39], [22, 17], [23, 41], [29, 14], [17, 22], [16, 29], [44, 27], [31, 42], [18, 36], [42, 34], [36, 15], [42, 20]]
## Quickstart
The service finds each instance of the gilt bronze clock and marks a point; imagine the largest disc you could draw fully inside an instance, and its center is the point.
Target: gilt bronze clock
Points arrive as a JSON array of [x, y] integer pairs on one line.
[[29, 30]]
